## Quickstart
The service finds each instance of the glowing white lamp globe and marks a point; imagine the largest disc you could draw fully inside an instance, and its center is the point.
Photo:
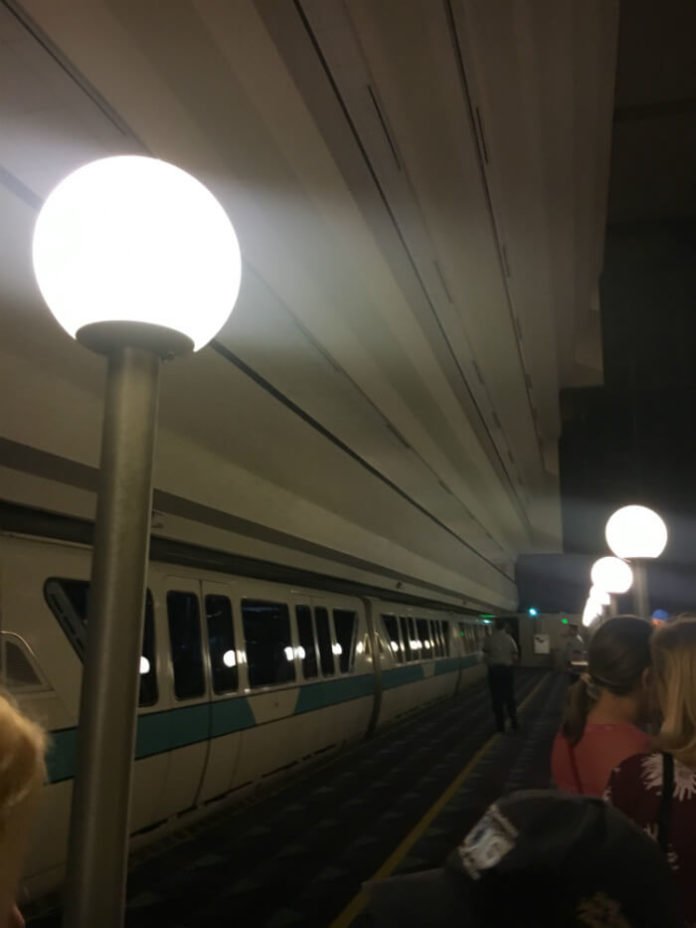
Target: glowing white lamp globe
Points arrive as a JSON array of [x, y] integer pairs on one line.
[[636, 532], [134, 250], [599, 596], [590, 613], [612, 574]]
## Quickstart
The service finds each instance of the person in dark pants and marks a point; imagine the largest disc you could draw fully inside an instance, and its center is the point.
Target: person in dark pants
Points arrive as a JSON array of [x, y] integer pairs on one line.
[[501, 653]]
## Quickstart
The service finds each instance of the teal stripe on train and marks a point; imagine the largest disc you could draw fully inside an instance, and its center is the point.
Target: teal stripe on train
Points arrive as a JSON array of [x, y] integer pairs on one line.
[[331, 692], [159, 732], [452, 664], [400, 676]]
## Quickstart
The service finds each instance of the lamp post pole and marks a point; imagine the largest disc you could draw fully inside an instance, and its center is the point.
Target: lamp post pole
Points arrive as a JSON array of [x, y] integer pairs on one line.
[[641, 599], [98, 849], [138, 261]]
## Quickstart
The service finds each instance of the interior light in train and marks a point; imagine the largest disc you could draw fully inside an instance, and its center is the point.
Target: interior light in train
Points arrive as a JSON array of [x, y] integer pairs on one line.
[[144, 665], [229, 659], [301, 653], [289, 653], [636, 532], [138, 244], [395, 646], [359, 648]]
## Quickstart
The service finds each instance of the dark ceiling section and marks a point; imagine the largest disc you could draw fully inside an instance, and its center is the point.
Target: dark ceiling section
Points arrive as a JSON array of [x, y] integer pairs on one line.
[[634, 439]]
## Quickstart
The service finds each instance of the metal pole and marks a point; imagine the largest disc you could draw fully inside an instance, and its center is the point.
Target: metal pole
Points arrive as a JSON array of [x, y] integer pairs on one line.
[[613, 606], [98, 849], [641, 601]]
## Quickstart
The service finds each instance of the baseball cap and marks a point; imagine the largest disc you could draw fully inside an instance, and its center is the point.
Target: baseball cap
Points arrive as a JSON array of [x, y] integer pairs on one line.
[[538, 859]]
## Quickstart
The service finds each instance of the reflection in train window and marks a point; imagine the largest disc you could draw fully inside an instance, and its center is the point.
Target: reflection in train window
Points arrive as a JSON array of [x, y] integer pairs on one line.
[[392, 629], [321, 617], [415, 643], [69, 602], [185, 639], [346, 630], [308, 649], [223, 654], [405, 639], [446, 636], [423, 635], [269, 651]]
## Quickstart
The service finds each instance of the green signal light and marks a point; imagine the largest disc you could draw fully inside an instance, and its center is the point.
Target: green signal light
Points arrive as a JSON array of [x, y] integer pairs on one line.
[[564, 621], [486, 615]]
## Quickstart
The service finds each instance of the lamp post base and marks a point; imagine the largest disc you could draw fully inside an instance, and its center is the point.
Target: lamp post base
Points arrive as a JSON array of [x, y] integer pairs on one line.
[[98, 848]]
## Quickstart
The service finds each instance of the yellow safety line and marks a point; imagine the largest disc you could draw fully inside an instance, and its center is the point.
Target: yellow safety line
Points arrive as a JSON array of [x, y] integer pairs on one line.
[[358, 902]]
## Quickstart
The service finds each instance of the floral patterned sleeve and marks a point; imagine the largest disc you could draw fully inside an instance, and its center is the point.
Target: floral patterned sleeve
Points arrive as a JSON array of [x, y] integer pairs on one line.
[[625, 789]]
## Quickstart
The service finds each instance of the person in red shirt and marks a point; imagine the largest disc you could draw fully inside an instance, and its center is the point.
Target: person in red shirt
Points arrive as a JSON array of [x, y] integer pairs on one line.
[[658, 790], [604, 708]]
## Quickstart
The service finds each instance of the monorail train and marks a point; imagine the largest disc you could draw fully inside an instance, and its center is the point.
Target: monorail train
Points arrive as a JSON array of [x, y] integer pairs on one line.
[[241, 679]]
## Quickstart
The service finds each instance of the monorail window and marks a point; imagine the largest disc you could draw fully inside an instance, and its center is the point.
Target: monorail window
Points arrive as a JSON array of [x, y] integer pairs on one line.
[[425, 638], [346, 630], [269, 650], [439, 638], [392, 628], [308, 648], [415, 643], [187, 648], [446, 637], [321, 617], [464, 636], [69, 602], [406, 639], [223, 654]]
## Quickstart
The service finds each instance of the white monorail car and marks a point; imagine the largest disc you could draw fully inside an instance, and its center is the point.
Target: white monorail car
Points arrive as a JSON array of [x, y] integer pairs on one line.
[[241, 679]]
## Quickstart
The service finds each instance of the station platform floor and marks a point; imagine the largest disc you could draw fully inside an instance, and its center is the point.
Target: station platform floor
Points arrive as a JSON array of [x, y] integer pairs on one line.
[[396, 803]]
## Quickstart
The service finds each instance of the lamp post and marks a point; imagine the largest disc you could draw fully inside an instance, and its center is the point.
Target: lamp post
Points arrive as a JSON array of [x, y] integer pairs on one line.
[[138, 261], [612, 575], [637, 534]]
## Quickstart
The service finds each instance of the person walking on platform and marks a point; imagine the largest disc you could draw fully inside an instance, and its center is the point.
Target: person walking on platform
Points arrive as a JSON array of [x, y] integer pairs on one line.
[[501, 653], [574, 654]]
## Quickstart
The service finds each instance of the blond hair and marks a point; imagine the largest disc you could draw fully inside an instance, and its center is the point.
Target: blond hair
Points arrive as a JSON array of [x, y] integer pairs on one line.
[[674, 665]]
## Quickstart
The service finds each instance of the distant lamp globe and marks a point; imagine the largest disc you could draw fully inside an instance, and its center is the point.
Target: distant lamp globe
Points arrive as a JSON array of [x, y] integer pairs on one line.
[[134, 250], [612, 575], [590, 613], [636, 532], [599, 596]]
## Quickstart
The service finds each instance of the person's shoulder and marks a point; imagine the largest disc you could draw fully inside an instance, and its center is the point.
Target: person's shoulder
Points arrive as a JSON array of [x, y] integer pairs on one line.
[[644, 766]]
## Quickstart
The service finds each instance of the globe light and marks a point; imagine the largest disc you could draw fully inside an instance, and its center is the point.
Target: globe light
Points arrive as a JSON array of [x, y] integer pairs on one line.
[[612, 575], [599, 596], [134, 249], [636, 532], [590, 613]]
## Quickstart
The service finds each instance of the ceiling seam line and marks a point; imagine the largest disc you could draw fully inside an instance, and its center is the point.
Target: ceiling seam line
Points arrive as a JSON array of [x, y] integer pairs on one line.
[[277, 394], [450, 349], [500, 248]]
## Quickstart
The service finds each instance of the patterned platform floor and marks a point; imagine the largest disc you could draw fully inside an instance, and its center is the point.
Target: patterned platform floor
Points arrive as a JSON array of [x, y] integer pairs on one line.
[[298, 858]]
